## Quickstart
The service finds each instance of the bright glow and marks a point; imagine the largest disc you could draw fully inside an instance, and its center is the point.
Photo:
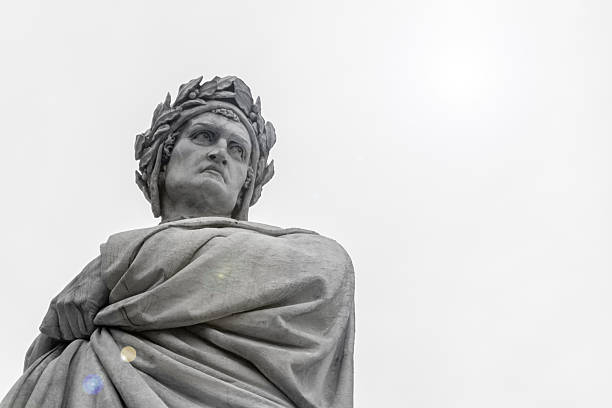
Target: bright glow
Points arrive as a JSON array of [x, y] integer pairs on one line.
[[128, 354]]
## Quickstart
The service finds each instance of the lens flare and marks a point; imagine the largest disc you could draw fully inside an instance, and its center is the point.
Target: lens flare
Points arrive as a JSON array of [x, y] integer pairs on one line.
[[128, 354], [92, 384]]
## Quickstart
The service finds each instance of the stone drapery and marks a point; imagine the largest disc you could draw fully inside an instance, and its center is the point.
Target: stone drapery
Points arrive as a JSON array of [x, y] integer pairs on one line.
[[218, 313]]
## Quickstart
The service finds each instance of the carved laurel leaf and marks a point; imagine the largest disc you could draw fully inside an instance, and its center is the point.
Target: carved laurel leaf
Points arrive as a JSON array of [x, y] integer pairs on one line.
[[260, 123], [257, 106], [148, 139], [225, 82], [153, 156], [243, 95], [138, 145], [142, 185], [186, 89], [207, 89], [256, 194], [262, 146], [268, 173], [158, 111], [223, 95], [166, 117], [270, 135], [167, 101], [193, 103], [153, 182], [261, 165], [161, 131], [145, 159]]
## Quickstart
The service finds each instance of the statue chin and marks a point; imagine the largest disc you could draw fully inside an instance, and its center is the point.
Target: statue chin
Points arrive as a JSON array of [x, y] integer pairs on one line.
[[205, 196], [211, 189]]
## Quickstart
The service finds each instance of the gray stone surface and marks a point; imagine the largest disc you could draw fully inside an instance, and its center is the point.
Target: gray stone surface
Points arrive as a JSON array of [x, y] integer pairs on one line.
[[206, 309]]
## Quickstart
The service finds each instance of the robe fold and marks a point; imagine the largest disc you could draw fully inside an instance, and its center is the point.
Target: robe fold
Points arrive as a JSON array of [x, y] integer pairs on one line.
[[219, 312]]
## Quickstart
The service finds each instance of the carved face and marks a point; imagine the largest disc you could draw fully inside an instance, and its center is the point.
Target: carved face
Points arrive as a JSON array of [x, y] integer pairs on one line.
[[208, 166]]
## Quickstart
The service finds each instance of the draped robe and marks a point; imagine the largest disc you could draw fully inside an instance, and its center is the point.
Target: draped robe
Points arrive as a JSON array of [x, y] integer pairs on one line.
[[220, 313]]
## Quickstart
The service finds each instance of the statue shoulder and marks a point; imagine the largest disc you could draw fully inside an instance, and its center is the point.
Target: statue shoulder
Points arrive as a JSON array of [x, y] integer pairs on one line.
[[319, 247]]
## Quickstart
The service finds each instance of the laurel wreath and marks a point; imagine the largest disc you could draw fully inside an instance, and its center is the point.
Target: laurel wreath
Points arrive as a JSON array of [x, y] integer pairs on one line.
[[153, 147]]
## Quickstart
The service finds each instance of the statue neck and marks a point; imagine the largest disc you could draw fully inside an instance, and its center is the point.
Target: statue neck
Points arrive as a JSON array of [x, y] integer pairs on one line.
[[172, 211]]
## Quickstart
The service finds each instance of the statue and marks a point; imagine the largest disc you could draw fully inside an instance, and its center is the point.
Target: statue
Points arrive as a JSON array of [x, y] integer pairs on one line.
[[205, 309]]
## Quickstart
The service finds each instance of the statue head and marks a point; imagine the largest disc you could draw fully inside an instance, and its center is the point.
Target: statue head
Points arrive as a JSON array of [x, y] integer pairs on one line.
[[207, 152]]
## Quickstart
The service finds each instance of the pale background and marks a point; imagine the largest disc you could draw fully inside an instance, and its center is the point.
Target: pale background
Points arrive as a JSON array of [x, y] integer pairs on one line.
[[459, 151]]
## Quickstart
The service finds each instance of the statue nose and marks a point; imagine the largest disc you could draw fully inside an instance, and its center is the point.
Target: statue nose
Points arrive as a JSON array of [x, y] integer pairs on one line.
[[217, 157]]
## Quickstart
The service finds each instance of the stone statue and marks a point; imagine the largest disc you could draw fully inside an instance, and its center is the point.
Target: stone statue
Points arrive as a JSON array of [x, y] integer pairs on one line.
[[206, 309]]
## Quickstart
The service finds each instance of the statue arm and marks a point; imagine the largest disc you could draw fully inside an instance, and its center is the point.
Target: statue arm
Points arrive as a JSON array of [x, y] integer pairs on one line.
[[71, 312], [40, 346]]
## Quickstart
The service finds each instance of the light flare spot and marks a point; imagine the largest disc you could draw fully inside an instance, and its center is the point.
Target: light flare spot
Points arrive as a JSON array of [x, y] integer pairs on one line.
[[128, 354], [92, 384]]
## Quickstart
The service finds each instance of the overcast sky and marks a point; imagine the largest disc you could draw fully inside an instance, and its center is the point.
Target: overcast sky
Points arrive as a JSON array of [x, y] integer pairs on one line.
[[459, 151]]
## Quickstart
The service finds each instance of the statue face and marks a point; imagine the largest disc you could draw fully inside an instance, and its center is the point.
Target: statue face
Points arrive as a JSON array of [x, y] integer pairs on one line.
[[208, 166]]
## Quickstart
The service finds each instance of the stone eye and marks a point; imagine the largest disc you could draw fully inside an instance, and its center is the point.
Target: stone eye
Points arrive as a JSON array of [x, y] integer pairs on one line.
[[205, 136], [238, 149]]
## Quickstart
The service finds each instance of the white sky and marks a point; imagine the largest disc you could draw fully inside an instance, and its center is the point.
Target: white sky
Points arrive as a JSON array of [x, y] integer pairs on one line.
[[459, 151]]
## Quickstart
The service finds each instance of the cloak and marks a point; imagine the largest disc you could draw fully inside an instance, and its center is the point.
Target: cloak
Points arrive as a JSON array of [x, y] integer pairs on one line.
[[213, 312]]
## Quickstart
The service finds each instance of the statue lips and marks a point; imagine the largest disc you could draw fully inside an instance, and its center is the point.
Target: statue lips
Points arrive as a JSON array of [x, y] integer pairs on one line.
[[214, 170]]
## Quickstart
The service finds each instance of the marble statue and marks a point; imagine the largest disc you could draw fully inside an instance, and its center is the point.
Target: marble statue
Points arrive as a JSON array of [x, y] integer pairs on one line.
[[205, 309]]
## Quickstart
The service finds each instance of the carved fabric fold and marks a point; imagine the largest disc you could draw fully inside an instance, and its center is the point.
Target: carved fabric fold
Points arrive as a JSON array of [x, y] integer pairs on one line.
[[220, 313]]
